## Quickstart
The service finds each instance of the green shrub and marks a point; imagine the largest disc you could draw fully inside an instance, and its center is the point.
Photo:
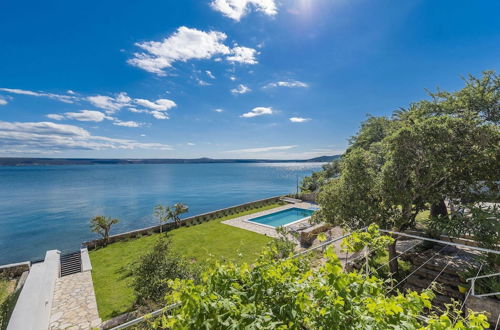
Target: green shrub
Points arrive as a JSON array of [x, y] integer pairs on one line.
[[154, 269]]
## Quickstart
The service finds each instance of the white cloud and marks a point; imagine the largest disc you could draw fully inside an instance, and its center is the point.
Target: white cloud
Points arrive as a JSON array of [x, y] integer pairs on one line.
[[51, 136], [210, 74], [159, 114], [243, 55], [3, 101], [218, 110], [187, 44], [55, 116], [233, 78], [202, 82], [263, 149], [191, 144], [158, 105], [183, 45], [110, 104], [127, 123], [236, 9], [85, 115], [289, 83], [299, 119], [258, 111], [59, 97], [241, 89]]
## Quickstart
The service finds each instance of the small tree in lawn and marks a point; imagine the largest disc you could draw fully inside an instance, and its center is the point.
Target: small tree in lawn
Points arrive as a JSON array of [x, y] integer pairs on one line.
[[176, 211], [165, 213], [102, 226], [161, 214]]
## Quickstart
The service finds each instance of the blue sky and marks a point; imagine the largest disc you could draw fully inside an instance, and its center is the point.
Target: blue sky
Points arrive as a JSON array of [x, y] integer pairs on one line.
[[283, 79]]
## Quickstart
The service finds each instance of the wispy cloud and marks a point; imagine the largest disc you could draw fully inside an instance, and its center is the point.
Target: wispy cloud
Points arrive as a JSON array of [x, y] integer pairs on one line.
[[82, 115], [262, 149], [236, 9], [58, 97], [210, 74], [299, 119], [3, 101], [219, 110], [110, 104], [288, 83], [241, 89], [258, 111], [86, 115], [187, 44], [47, 135], [92, 115], [129, 123]]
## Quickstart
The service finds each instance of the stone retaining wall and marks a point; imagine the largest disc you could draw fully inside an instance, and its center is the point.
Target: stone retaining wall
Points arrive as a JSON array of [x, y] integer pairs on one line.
[[15, 270], [187, 222]]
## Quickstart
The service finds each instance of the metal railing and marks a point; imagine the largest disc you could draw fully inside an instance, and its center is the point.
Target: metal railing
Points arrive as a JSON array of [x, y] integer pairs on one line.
[[473, 282]]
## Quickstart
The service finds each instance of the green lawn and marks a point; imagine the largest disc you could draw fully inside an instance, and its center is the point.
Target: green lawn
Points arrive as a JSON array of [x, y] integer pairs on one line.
[[3, 290], [202, 243], [6, 288]]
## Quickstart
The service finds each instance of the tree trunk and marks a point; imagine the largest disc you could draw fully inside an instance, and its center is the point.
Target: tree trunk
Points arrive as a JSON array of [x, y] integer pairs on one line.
[[439, 209], [393, 263]]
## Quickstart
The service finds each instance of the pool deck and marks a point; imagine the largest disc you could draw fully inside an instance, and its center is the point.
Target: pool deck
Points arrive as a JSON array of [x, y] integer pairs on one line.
[[242, 222]]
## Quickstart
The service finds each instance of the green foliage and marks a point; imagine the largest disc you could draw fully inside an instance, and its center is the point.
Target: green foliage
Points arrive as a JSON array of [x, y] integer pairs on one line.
[[483, 285], [448, 147], [370, 239], [102, 226], [154, 269], [320, 178], [289, 294], [8, 298], [280, 247], [165, 213], [480, 222]]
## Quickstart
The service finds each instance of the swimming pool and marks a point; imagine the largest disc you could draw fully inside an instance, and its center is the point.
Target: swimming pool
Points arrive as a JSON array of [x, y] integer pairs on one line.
[[282, 218]]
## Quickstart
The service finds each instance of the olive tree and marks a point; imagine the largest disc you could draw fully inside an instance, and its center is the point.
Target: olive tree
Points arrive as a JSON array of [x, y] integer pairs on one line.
[[166, 213], [446, 148], [102, 226]]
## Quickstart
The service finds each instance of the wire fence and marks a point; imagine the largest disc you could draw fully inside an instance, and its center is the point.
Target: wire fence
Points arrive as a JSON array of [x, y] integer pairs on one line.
[[324, 245]]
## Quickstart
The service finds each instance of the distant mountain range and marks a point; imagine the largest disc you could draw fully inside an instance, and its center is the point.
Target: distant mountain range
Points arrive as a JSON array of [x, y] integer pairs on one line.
[[8, 161]]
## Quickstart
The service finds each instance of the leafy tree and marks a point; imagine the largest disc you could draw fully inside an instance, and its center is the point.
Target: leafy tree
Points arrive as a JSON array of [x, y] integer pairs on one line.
[[176, 211], [311, 184], [102, 226], [166, 213], [445, 148], [154, 269], [289, 294]]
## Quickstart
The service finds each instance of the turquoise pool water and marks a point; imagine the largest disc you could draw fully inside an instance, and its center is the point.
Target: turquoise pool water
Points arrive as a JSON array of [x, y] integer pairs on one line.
[[283, 218]]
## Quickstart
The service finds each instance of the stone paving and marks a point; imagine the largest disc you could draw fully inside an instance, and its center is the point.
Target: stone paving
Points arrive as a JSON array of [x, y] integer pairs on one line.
[[242, 222], [74, 305]]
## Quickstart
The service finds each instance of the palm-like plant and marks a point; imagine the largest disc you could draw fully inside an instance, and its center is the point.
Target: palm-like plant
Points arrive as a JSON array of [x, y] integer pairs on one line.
[[102, 226]]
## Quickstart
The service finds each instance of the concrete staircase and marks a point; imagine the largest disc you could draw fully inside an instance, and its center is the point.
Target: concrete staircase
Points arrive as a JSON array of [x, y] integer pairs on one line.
[[71, 263]]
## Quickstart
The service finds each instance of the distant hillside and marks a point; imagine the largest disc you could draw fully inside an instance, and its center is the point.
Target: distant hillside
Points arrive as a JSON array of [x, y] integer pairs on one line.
[[323, 159], [7, 161]]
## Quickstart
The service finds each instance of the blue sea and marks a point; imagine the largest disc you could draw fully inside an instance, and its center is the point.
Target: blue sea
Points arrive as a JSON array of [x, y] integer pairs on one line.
[[49, 207]]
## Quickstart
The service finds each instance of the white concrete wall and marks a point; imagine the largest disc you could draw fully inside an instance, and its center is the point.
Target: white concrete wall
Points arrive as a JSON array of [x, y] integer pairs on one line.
[[32, 310], [86, 265]]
